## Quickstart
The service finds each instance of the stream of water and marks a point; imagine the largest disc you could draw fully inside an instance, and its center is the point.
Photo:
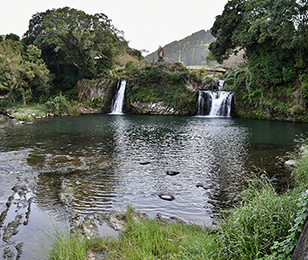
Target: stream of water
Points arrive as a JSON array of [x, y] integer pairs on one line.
[[110, 162]]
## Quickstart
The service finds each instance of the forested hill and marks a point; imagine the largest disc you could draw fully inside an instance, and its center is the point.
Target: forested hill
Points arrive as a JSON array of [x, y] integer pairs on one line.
[[191, 50]]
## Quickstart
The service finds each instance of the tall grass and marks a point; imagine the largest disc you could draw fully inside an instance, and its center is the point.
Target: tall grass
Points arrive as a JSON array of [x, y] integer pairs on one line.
[[67, 247], [252, 229]]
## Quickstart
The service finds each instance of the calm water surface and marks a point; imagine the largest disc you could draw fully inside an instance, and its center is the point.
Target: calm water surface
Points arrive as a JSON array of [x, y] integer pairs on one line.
[[100, 160]]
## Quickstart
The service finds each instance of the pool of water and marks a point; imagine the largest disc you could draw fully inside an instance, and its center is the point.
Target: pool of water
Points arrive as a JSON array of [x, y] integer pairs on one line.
[[108, 162]]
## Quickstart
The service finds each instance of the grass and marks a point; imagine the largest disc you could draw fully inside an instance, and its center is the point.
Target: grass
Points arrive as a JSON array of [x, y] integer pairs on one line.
[[67, 247], [265, 225], [29, 112], [152, 239]]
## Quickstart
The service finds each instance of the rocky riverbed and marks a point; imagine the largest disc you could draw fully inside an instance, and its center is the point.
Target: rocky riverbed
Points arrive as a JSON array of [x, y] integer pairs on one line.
[[15, 204]]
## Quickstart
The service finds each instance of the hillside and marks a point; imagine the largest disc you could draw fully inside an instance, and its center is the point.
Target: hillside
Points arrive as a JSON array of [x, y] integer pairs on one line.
[[192, 50]]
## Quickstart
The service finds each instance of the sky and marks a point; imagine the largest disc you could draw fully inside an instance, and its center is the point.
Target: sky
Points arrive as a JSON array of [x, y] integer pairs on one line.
[[146, 24]]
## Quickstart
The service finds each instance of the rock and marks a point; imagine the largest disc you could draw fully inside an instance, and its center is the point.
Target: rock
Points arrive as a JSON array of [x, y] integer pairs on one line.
[[117, 222], [90, 227], [172, 173], [144, 163], [100, 90], [10, 253], [166, 196], [153, 108], [290, 163], [206, 186]]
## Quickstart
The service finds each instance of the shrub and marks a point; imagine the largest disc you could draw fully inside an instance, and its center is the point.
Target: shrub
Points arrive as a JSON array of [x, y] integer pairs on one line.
[[59, 106]]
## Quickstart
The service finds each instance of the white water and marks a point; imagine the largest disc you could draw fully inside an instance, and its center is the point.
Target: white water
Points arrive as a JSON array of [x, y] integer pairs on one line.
[[117, 108], [221, 84], [218, 103]]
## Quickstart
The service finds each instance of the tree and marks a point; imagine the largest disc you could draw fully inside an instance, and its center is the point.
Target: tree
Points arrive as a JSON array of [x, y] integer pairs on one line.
[[16, 73], [12, 71], [87, 43], [273, 34]]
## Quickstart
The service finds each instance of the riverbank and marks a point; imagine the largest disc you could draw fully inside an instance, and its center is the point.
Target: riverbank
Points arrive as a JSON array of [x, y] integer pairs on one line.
[[265, 225]]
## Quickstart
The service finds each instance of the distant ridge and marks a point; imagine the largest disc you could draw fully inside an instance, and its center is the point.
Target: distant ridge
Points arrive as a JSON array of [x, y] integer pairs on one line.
[[192, 50]]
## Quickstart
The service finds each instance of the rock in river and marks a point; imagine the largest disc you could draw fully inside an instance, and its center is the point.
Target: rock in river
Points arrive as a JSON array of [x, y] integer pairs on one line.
[[166, 196], [172, 173]]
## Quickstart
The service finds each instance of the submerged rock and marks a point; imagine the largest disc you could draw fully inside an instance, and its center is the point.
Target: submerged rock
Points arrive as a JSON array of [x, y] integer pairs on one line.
[[172, 173], [166, 196], [206, 186], [144, 163]]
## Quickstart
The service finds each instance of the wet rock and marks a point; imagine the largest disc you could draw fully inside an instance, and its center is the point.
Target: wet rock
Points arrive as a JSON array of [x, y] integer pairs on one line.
[[10, 253], [210, 84], [13, 252], [90, 227], [11, 229], [290, 163], [66, 194], [17, 207], [144, 163], [166, 196], [117, 222], [19, 247], [153, 108], [206, 186], [172, 173]]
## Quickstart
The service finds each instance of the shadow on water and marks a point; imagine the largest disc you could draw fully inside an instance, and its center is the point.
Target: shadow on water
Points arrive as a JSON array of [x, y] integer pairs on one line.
[[104, 163]]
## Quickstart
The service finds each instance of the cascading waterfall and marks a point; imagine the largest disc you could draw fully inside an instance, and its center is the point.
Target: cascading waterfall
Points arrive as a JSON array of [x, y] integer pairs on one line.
[[221, 84], [215, 103], [117, 107]]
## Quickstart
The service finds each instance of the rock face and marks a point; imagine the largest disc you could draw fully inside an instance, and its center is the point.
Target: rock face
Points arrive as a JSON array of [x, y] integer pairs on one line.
[[100, 91], [153, 109]]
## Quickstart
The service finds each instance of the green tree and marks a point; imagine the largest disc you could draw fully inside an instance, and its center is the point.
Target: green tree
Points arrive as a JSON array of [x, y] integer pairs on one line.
[[12, 71], [272, 33], [88, 43], [16, 73]]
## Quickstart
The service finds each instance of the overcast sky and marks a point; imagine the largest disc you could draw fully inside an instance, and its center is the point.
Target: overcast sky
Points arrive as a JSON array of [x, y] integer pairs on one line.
[[146, 24]]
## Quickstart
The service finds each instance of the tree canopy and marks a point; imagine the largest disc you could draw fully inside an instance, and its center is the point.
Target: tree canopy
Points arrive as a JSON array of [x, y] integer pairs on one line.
[[20, 69], [75, 45], [273, 33]]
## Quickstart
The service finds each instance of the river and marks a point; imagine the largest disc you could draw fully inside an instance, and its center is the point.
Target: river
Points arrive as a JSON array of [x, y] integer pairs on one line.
[[108, 162]]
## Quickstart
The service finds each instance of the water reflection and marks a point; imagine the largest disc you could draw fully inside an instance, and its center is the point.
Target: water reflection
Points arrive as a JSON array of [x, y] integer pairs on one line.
[[108, 162]]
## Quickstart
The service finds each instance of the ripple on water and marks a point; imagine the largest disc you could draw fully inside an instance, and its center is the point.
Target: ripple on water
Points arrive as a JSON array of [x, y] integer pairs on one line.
[[98, 161]]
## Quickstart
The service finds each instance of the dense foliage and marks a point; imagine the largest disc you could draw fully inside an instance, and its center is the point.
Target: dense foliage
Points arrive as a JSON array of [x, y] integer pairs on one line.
[[274, 35], [75, 45], [22, 69], [160, 83]]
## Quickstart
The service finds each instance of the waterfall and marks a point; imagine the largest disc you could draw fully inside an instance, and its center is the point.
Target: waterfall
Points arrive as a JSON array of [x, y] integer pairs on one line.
[[215, 103], [119, 100], [221, 84]]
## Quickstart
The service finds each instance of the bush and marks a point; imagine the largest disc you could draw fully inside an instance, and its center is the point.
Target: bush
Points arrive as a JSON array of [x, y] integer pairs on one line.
[[59, 106]]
